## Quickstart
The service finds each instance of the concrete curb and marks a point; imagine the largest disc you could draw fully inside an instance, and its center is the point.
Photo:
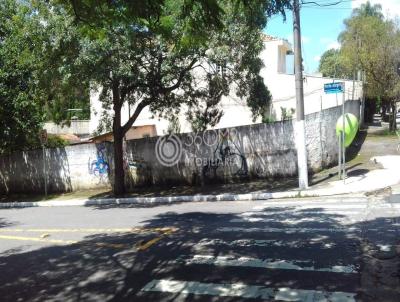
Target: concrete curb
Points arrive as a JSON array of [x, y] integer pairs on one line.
[[167, 199], [374, 181]]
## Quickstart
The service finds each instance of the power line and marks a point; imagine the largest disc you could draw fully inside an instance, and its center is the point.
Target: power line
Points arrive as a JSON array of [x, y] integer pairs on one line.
[[324, 4]]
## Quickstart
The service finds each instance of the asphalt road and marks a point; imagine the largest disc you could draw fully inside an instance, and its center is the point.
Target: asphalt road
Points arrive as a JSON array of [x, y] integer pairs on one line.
[[337, 249]]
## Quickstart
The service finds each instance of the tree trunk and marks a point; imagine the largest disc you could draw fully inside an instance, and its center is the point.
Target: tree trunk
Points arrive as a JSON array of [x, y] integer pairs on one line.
[[118, 133], [393, 125], [119, 173]]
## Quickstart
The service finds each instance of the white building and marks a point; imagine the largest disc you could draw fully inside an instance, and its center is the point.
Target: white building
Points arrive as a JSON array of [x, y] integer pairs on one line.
[[279, 81]]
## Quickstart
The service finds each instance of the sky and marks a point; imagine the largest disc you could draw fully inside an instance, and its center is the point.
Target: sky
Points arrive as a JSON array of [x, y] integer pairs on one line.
[[320, 26]]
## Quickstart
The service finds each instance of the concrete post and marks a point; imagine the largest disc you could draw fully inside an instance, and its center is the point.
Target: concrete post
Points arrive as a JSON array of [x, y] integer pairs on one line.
[[299, 124]]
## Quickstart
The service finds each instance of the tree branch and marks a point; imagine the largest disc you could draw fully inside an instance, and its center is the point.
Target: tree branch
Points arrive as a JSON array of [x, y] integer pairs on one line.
[[180, 78], [134, 116]]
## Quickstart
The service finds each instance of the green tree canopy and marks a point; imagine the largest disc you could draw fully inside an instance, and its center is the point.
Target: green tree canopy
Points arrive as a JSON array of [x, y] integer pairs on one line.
[[332, 65], [371, 44], [33, 85], [368, 10], [20, 107], [154, 53]]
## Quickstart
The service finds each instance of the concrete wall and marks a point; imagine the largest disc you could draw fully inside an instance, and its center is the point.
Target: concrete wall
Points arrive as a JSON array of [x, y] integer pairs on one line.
[[70, 168], [221, 155], [231, 154], [77, 127]]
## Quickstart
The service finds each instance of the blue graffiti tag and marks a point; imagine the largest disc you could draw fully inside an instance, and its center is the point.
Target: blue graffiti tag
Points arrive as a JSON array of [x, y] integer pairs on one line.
[[99, 167]]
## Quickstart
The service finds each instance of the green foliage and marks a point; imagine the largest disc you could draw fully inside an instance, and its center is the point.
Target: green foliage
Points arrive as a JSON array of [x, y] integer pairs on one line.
[[259, 99], [268, 119], [368, 10], [34, 85], [204, 110], [21, 113], [157, 53], [371, 44], [287, 114], [54, 141], [332, 65], [174, 125]]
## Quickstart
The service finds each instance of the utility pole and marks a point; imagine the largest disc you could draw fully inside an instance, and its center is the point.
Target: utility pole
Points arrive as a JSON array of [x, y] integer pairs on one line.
[[300, 135]]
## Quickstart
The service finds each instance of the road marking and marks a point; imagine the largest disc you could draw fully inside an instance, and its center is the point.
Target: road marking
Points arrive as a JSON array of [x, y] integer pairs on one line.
[[266, 243], [298, 213], [65, 242], [245, 291], [140, 246], [276, 204], [292, 221], [145, 246], [57, 241], [266, 263], [91, 230], [285, 230], [314, 206]]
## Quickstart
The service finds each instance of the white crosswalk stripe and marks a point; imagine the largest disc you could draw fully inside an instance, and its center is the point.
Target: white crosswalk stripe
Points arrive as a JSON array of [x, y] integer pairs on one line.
[[317, 206], [321, 240], [267, 263], [286, 230], [291, 215], [246, 291]]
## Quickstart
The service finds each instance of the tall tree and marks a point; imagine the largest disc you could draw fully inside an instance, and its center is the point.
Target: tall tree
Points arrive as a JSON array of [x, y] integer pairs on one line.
[[153, 53], [259, 100], [368, 10], [371, 44], [20, 109], [34, 85]]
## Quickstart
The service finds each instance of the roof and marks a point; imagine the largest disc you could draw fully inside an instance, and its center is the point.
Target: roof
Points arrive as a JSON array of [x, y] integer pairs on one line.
[[107, 134], [268, 38]]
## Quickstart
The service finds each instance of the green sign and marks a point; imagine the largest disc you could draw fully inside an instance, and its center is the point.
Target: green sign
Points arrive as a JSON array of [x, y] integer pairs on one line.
[[350, 128]]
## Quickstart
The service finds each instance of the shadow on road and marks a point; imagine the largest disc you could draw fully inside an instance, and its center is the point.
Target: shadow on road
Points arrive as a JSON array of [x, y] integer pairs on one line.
[[304, 238]]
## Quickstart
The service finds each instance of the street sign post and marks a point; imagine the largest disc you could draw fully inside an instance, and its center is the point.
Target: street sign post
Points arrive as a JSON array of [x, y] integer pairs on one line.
[[332, 88], [43, 140], [335, 88], [398, 68]]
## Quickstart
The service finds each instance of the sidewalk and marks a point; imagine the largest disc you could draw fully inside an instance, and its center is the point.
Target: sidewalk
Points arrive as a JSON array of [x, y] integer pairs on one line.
[[373, 164]]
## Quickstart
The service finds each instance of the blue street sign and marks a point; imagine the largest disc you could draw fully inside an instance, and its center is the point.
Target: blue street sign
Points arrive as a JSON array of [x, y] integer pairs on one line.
[[334, 87]]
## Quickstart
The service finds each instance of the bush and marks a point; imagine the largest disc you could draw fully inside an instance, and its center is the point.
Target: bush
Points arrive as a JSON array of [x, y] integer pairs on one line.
[[54, 141]]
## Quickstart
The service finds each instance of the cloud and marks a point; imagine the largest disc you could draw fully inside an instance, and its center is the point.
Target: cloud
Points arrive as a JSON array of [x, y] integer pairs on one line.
[[329, 43], [333, 45], [317, 58], [390, 8]]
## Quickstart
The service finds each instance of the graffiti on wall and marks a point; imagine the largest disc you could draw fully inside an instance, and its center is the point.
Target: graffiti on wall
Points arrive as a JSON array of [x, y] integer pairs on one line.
[[227, 158], [99, 167], [136, 168]]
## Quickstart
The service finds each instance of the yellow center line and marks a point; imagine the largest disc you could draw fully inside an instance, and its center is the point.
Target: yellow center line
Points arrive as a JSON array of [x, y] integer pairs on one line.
[[141, 246], [144, 246], [91, 230], [64, 242], [57, 241]]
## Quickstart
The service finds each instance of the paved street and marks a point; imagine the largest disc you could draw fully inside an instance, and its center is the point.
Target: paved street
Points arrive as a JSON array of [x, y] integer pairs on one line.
[[336, 249]]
